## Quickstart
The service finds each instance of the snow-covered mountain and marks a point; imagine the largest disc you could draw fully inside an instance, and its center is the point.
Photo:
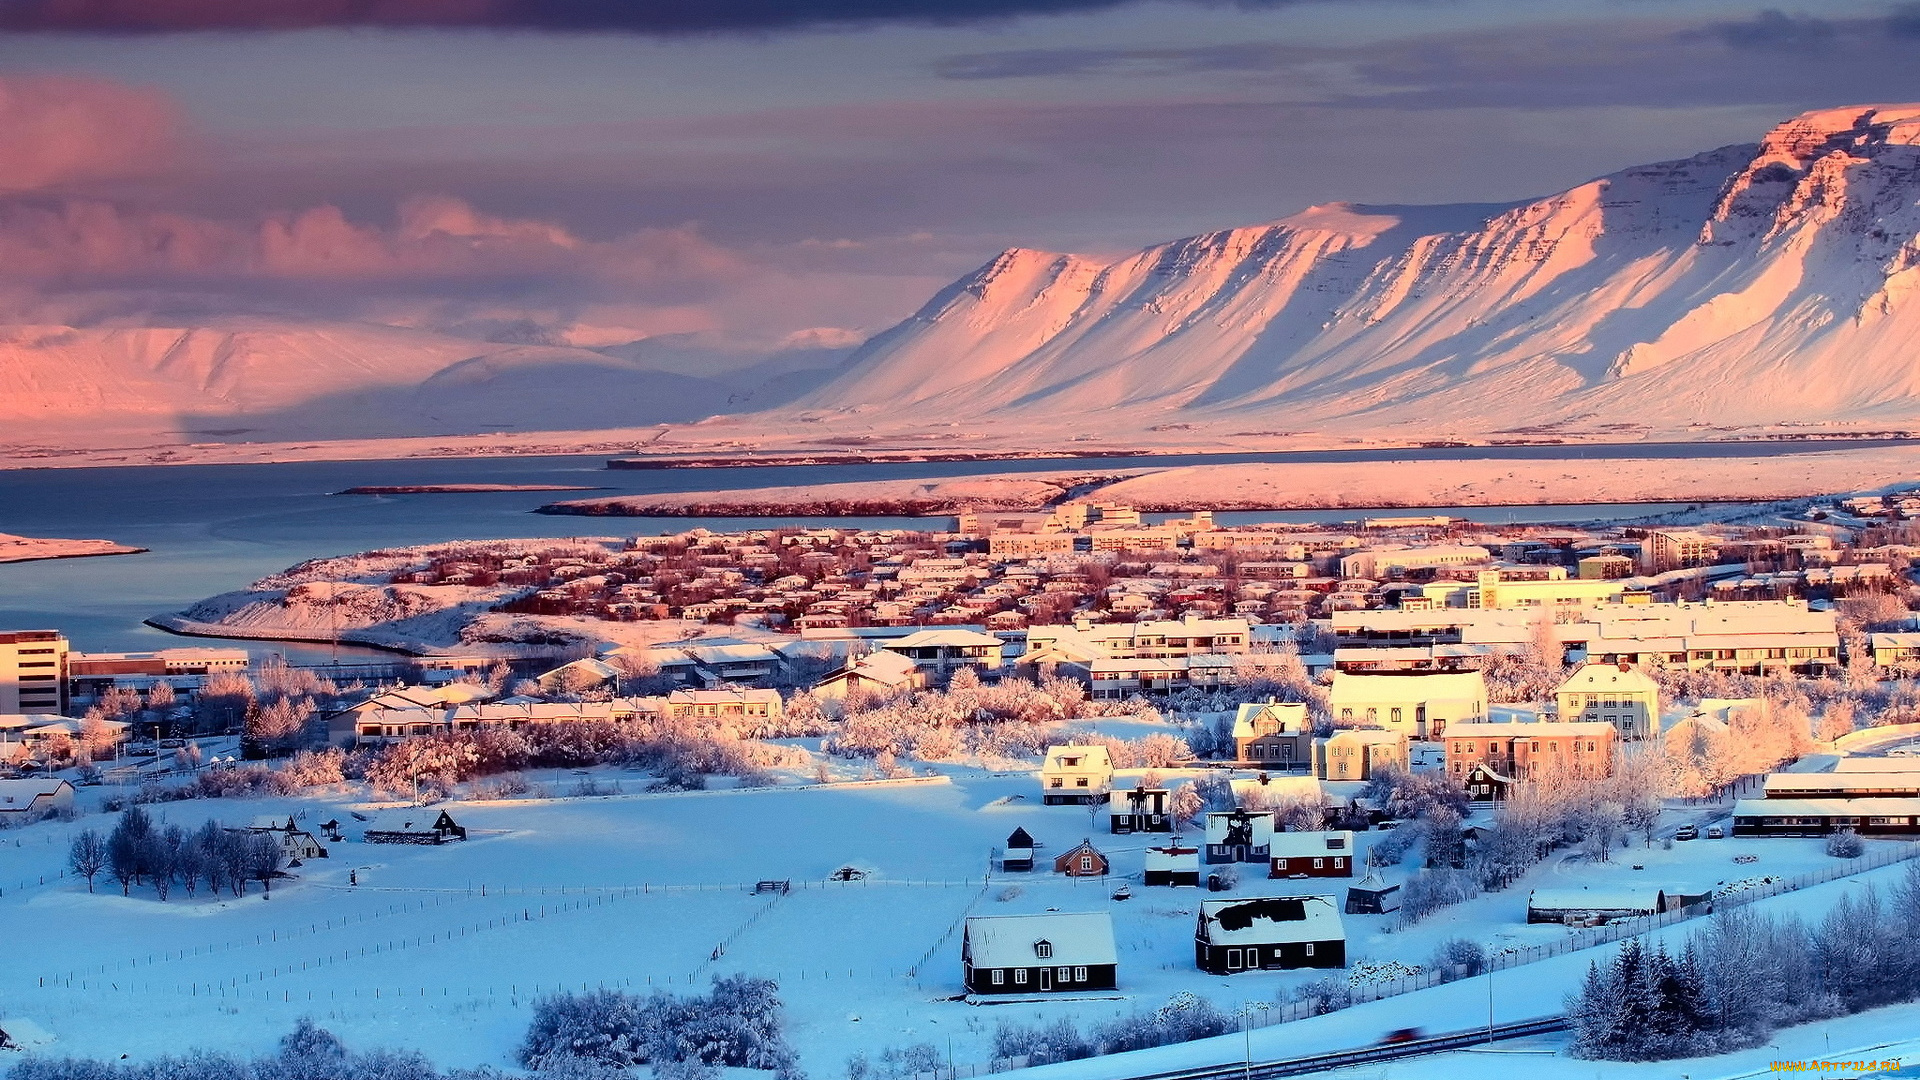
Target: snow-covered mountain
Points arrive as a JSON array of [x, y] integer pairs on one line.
[[264, 380], [1751, 285]]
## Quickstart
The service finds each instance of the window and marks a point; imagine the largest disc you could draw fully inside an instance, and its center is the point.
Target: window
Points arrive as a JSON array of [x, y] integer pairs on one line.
[[1395, 715], [1064, 974], [1309, 948], [1020, 976], [1079, 974], [999, 977], [1086, 864], [1043, 949], [1319, 864], [1082, 782]]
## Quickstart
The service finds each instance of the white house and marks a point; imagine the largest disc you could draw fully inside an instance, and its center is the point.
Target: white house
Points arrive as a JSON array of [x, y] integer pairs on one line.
[[1075, 774], [1419, 705], [880, 672], [26, 800], [1239, 836], [941, 651], [1618, 694]]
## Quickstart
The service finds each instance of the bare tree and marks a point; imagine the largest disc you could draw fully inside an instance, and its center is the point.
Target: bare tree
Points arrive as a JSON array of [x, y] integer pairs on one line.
[[88, 855], [265, 857]]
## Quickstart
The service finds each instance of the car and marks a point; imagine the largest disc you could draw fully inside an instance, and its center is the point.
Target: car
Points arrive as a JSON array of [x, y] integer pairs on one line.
[[1715, 832], [1401, 1035], [1686, 832]]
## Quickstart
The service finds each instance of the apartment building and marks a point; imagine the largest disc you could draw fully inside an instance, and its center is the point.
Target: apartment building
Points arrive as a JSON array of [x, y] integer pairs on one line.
[[1617, 694], [33, 672], [1521, 750], [1419, 706]]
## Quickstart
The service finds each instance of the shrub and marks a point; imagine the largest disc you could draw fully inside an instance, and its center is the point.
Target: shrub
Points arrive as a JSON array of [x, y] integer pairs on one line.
[[1844, 844], [1458, 958]]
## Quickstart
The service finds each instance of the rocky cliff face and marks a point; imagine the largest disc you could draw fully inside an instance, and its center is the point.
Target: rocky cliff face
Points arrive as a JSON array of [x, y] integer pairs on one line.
[[1747, 286]]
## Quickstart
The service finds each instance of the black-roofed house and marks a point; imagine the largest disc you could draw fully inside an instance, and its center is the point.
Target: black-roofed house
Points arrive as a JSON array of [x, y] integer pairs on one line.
[[1237, 836], [1037, 954], [1134, 810], [413, 827], [1019, 851], [1268, 933]]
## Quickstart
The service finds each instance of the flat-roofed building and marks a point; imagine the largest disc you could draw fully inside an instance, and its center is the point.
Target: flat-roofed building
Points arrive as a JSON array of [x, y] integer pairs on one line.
[[33, 671], [1419, 705], [1520, 751]]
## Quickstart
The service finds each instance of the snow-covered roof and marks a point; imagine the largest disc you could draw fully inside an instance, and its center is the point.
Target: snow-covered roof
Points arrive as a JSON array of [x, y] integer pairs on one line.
[[1373, 883], [1868, 784], [1172, 858], [1082, 758], [1271, 920], [1609, 679], [1300, 845], [1286, 786], [1856, 764], [1866, 807], [1289, 718], [1008, 941], [1534, 730], [21, 794], [1425, 686], [949, 637], [1606, 898]]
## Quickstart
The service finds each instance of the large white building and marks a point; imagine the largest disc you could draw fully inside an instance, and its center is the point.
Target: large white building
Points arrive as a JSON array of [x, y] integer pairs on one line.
[[1618, 694], [1419, 706], [33, 671]]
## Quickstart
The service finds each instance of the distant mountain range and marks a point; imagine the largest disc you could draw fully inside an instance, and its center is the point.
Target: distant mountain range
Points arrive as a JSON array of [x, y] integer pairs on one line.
[[1766, 287], [1753, 285]]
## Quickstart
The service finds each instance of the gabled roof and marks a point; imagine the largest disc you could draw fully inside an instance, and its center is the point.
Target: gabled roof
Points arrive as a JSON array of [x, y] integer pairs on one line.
[[1096, 758], [951, 637], [1020, 839], [1271, 920], [1614, 898], [1298, 845], [1291, 716], [1608, 678], [1007, 941]]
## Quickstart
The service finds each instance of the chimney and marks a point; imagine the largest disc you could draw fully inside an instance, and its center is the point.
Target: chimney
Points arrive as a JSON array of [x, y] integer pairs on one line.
[[1624, 666]]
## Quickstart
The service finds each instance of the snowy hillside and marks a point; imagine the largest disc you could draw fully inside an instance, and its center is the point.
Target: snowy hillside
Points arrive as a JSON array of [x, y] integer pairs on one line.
[[301, 380], [1749, 285]]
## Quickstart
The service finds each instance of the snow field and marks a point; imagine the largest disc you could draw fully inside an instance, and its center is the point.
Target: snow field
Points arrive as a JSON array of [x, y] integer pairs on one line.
[[445, 948]]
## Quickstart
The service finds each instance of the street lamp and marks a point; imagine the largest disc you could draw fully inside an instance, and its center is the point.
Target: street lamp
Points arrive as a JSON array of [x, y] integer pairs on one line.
[[1247, 1009]]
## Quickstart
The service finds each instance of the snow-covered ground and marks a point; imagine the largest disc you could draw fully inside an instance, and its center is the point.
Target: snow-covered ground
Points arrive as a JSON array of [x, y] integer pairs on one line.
[[27, 548], [1312, 485], [444, 948]]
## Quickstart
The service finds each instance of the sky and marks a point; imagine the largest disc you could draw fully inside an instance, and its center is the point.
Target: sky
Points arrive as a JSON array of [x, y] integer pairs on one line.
[[752, 175]]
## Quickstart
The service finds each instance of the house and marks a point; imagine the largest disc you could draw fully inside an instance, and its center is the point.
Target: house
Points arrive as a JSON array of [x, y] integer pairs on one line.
[[298, 844], [578, 676], [1268, 933], [1419, 705], [748, 707], [1045, 953], [1139, 810], [941, 651], [1613, 902], [1485, 784], [1617, 694], [1520, 750], [1372, 896], [1239, 836], [1275, 733], [1359, 753], [1310, 854], [881, 672], [28, 800], [1172, 865], [1075, 774], [406, 827], [1081, 861], [1019, 852]]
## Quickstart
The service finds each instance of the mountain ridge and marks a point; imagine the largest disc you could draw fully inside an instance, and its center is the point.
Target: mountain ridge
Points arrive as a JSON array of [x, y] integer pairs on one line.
[[1755, 283]]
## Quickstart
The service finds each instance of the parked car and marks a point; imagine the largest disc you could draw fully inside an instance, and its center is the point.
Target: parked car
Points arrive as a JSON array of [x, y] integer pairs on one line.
[[1686, 832], [1715, 832]]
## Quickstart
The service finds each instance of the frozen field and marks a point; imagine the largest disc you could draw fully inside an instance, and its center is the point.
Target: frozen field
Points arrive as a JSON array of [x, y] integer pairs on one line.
[[444, 948]]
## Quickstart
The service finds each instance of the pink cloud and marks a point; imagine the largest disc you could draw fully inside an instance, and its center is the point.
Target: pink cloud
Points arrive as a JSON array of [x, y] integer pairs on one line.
[[56, 129]]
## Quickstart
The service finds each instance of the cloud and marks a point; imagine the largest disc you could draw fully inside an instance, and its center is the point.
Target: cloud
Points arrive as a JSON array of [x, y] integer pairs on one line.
[[654, 17], [55, 130]]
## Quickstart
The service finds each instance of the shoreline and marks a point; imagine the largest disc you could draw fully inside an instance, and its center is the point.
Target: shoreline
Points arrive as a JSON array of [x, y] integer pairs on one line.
[[25, 549], [457, 489]]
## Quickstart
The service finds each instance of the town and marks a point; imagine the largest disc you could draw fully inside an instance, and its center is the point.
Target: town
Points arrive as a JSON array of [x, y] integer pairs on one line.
[[1106, 762]]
